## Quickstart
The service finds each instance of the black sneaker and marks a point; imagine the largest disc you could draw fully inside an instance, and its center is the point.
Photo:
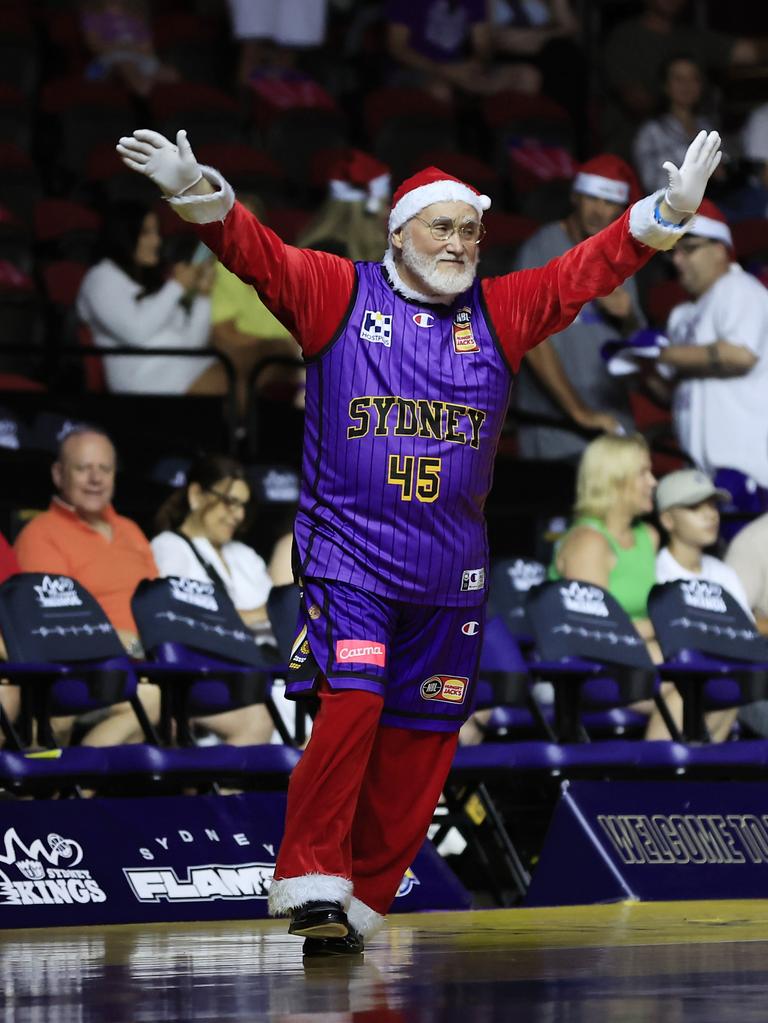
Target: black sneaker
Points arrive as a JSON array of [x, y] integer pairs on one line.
[[319, 920], [351, 945]]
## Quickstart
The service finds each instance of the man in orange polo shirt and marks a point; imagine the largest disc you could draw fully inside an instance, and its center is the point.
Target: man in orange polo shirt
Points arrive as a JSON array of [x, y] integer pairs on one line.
[[81, 535]]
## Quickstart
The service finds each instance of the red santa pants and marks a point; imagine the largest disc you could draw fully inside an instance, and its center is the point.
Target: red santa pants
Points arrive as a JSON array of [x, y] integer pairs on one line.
[[362, 797]]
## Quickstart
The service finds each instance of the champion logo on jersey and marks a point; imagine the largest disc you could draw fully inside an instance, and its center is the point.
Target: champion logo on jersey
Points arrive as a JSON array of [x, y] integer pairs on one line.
[[377, 327], [463, 338], [470, 628], [423, 319]]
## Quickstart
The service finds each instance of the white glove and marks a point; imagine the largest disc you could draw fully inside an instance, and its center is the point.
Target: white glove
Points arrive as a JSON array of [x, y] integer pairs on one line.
[[172, 167], [687, 184]]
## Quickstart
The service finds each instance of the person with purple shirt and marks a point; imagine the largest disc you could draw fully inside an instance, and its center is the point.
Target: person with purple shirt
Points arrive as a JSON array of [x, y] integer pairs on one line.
[[447, 46], [409, 367]]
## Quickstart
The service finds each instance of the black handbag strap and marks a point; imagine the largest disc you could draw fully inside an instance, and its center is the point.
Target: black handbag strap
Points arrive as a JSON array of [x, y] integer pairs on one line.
[[213, 574]]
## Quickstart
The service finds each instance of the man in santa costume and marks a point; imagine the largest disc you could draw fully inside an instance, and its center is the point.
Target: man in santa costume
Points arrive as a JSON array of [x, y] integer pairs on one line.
[[409, 367], [564, 377]]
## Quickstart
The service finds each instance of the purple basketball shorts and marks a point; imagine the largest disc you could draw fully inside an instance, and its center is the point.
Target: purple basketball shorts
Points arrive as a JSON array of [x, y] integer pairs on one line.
[[422, 660]]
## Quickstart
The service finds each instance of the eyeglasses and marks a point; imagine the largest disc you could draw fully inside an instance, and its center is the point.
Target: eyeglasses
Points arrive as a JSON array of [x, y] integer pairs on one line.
[[443, 228], [687, 247], [231, 503]]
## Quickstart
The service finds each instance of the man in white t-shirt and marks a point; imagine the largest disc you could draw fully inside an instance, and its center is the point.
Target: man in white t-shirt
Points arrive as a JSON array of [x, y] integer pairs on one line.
[[718, 352], [687, 503]]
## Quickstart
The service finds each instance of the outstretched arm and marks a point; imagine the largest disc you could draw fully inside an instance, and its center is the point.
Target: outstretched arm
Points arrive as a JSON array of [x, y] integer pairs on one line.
[[530, 305], [308, 291]]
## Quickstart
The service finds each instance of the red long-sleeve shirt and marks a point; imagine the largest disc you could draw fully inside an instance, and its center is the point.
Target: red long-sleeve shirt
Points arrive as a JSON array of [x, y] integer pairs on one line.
[[310, 291]]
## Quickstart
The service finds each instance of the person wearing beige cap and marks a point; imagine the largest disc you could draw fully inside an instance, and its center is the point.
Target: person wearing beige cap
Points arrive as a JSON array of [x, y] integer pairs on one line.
[[688, 505]]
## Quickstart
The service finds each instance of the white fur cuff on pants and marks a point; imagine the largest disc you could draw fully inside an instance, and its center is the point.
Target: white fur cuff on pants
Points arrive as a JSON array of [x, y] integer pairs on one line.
[[288, 893], [365, 920]]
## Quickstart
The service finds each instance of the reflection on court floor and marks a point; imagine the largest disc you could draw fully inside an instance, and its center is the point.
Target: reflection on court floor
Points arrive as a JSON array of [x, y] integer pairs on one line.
[[701, 961]]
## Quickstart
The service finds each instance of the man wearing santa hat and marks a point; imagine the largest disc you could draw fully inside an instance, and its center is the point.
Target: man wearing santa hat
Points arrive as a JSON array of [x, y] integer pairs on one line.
[[564, 378], [718, 353], [409, 367]]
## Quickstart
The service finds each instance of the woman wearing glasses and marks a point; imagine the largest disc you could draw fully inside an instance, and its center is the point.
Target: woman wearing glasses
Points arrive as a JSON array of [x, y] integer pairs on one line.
[[197, 527], [196, 539]]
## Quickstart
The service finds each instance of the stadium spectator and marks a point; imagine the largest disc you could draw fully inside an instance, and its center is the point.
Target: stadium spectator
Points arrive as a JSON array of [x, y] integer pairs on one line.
[[609, 545], [751, 201], [384, 603], [119, 34], [82, 536], [545, 36], [688, 505], [718, 352], [747, 555], [246, 331], [638, 49], [197, 527], [666, 136], [128, 300], [354, 214], [9, 695], [447, 46], [271, 32], [565, 376]]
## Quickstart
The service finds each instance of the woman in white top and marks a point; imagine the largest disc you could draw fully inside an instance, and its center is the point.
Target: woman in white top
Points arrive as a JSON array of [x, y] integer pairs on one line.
[[687, 502], [666, 137], [197, 527], [129, 299], [198, 524]]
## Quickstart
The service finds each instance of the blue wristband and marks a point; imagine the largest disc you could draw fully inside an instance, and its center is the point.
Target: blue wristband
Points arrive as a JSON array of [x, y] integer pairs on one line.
[[660, 220]]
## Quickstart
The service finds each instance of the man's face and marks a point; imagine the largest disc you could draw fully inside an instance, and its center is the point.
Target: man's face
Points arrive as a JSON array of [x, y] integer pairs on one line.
[[442, 267], [85, 473], [696, 526], [699, 263], [592, 214]]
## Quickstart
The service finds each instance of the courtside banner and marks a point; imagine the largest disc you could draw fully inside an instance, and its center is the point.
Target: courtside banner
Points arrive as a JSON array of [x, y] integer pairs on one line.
[[162, 859], [654, 841]]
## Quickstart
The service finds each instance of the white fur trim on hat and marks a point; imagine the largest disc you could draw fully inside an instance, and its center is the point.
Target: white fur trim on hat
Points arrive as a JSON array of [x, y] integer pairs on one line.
[[708, 227], [417, 199], [365, 920], [644, 226], [601, 188], [206, 209], [288, 893]]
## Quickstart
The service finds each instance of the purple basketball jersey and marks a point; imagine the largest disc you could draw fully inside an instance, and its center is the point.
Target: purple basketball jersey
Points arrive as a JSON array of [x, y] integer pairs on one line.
[[403, 413]]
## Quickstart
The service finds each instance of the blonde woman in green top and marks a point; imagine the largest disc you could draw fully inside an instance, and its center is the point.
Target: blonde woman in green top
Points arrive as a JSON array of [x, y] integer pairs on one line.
[[607, 546]]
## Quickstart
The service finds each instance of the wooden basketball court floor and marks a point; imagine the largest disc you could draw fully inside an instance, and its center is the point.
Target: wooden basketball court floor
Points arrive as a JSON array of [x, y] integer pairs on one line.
[[676, 962]]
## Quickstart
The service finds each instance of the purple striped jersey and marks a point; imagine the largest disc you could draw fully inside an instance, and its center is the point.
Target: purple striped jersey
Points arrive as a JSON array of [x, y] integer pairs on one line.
[[403, 413]]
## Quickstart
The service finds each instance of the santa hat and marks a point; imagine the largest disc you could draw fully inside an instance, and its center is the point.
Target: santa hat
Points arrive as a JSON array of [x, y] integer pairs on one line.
[[354, 176], [710, 222], [607, 177], [428, 186]]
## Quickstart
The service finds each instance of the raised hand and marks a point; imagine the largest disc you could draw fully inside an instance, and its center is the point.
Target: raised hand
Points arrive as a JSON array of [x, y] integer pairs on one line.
[[172, 167], [688, 182]]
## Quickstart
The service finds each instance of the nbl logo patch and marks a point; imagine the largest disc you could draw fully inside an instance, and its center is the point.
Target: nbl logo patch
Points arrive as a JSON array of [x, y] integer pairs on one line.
[[445, 688], [463, 338], [377, 327]]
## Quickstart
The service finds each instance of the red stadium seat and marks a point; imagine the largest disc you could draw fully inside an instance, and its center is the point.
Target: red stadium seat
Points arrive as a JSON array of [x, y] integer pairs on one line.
[[385, 105], [288, 222], [61, 281], [750, 238]]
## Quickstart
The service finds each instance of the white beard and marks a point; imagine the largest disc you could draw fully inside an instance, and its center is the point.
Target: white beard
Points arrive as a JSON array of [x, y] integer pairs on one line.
[[440, 278]]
